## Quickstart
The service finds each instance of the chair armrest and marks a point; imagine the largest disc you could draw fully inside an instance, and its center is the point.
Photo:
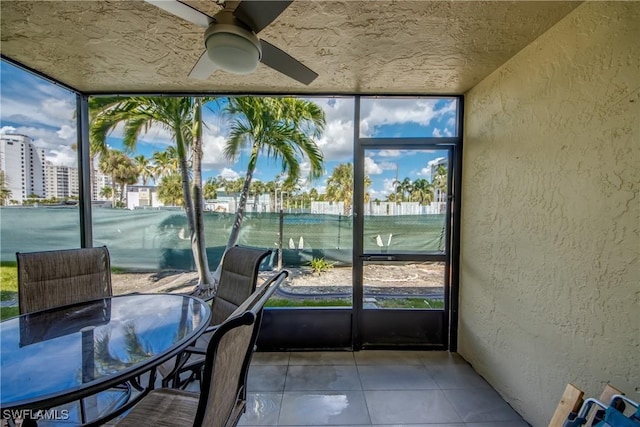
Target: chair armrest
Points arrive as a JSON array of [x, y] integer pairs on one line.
[[211, 329], [196, 350]]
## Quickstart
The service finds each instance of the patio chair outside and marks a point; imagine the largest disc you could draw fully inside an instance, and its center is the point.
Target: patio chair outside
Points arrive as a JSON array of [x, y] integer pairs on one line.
[[238, 280], [55, 278], [222, 399]]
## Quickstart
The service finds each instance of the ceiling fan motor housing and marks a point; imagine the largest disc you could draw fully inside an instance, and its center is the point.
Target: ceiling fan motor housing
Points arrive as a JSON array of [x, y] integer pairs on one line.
[[231, 46]]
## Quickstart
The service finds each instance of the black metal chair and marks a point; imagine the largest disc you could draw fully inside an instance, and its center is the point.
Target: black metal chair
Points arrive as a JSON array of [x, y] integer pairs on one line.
[[49, 279], [54, 278], [238, 280], [222, 397]]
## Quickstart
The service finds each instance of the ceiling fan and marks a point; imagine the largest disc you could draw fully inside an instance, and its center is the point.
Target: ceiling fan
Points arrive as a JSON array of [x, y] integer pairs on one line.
[[231, 42]]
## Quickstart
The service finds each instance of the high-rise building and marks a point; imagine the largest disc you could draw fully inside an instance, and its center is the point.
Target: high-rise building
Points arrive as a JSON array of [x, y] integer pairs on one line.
[[100, 181], [23, 165], [61, 181]]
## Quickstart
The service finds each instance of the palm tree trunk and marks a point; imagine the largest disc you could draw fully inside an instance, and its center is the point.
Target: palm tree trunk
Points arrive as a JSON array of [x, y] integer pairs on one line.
[[113, 191], [237, 222], [186, 187], [92, 176], [122, 193], [198, 245]]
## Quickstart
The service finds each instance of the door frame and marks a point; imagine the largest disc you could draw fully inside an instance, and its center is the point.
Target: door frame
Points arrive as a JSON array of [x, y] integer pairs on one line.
[[405, 328], [341, 328]]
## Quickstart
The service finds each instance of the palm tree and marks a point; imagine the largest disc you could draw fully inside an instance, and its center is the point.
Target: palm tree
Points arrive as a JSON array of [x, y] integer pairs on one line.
[[97, 147], [181, 116], [5, 192], [340, 186], [165, 163], [257, 189], [122, 170], [271, 187], [106, 192], [170, 190], [282, 128], [439, 180], [406, 187], [422, 191], [144, 167], [289, 188], [210, 189], [313, 194]]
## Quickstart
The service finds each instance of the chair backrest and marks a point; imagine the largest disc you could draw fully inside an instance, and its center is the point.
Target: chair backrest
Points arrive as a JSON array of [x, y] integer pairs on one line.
[[238, 278], [223, 388], [54, 278]]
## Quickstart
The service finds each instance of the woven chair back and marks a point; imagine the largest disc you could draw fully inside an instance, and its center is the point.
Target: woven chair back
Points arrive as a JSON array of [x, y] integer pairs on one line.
[[223, 390], [55, 278], [238, 278]]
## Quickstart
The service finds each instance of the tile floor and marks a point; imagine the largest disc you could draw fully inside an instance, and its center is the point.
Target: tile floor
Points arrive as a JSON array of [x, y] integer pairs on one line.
[[371, 387]]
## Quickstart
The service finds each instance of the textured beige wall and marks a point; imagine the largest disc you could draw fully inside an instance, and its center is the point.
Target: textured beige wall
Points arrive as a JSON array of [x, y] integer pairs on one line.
[[550, 276]]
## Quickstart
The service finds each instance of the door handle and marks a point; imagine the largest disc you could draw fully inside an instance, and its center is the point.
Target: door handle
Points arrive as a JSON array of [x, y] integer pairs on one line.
[[378, 257]]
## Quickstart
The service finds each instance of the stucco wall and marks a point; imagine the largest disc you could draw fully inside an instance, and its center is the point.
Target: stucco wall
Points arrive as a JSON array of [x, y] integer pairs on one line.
[[550, 276]]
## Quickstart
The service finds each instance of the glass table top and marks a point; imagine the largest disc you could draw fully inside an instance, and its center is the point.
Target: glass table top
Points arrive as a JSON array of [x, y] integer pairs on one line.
[[52, 353]]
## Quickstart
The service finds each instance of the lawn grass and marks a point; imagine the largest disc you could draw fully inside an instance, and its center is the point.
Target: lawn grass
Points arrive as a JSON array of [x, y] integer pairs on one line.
[[8, 288], [9, 312], [423, 303], [281, 302], [8, 280], [409, 303]]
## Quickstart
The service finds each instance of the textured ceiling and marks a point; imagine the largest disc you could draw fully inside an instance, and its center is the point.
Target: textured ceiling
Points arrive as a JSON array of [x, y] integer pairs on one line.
[[374, 47]]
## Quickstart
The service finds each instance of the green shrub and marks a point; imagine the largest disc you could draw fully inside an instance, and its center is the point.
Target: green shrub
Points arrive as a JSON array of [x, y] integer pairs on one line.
[[320, 265]]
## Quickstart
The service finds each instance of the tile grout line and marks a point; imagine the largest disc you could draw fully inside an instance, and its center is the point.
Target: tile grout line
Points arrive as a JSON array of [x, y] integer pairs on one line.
[[284, 385]]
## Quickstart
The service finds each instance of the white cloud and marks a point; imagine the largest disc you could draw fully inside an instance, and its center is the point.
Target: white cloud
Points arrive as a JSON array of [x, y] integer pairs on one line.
[[60, 109], [337, 140], [435, 161], [371, 167], [63, 156], [67, 132], [213, 151], [305, 169], [228, 173], [388, 187], [7, 129], [48, 112], [378, 112], [442, 133], [426, 172], [389, 153]]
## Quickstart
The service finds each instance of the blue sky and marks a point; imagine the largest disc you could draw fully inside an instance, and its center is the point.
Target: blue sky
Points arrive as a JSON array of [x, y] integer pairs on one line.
[[45, 112]]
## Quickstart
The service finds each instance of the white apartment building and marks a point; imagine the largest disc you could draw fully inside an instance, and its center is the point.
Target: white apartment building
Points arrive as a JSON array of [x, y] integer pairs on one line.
[[100, 181], [23, 165], [142, 196], [61, 181]]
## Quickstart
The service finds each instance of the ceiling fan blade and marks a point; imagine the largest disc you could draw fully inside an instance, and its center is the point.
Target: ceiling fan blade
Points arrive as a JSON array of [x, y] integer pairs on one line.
[[286, 64], [257, 14], [183, 11], [203, 68]]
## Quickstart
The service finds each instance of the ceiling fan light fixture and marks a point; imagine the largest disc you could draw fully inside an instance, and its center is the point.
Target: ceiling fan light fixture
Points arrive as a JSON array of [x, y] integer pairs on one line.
[[233, 49]]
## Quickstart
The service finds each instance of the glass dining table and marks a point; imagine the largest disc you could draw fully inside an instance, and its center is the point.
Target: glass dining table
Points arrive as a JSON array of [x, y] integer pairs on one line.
[[56, 356]]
